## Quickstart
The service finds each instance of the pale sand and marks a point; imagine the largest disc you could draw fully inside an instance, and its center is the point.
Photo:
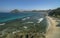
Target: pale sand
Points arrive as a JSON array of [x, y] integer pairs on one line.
[[53, 31]]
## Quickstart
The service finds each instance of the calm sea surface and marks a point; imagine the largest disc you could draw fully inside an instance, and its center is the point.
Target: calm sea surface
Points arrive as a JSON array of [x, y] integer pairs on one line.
[[4, 17]]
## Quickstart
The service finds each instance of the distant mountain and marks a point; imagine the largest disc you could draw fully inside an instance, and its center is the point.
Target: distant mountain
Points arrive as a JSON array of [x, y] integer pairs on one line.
[[18, 11], [15, 11]]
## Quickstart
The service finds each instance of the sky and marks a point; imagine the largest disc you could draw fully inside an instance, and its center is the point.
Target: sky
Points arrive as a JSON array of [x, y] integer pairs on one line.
[[8, 5]]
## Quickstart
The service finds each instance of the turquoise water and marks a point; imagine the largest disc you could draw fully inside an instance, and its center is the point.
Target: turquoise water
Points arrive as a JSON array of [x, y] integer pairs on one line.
[[18, 25], [4, 17]]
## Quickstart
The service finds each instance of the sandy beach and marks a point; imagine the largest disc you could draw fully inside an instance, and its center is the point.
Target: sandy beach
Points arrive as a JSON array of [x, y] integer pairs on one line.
[[53, 31]]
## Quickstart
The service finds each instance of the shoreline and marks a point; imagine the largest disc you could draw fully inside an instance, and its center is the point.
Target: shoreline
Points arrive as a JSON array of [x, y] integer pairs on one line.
[[53, 31]]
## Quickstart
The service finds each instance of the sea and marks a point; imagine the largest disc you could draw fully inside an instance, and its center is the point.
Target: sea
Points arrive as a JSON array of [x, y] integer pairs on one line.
[[6, 16]]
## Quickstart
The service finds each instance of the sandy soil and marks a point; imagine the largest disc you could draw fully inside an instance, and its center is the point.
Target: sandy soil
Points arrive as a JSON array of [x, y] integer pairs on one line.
[[53, 31]]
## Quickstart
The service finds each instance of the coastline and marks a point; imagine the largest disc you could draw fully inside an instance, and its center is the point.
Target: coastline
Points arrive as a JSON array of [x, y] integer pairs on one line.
[[53, 31]]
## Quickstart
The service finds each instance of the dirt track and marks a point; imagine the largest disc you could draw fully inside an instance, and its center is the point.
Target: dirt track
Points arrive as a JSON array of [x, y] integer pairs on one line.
[[53, 31]]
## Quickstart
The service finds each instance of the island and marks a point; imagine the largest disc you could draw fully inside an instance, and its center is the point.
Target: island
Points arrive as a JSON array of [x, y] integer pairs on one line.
[[15, 11]]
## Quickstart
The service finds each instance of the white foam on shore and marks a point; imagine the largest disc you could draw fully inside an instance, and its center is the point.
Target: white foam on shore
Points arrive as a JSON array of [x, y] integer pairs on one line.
[[25, 27], [15, 32], [30, 22], [26, 18], [39, 20], [2, 24]]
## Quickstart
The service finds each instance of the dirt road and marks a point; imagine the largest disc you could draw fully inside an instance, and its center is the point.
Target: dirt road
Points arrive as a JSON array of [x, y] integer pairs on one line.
[[53, 31]]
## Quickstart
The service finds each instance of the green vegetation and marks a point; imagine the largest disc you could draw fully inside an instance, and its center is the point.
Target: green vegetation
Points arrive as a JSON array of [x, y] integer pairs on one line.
[[55, 13], [18, 25]]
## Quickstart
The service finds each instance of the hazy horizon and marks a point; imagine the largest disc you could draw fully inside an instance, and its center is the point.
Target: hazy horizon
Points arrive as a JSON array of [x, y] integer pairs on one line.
[[8, 5]]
